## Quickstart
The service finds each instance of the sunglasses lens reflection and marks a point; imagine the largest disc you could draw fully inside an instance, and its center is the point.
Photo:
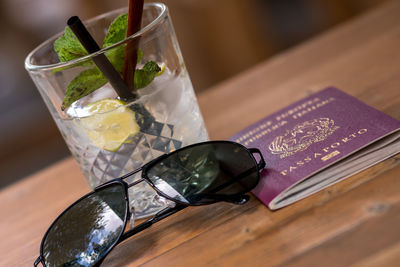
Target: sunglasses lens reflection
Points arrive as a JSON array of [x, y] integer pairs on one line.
[[193, 174], [85, 232]]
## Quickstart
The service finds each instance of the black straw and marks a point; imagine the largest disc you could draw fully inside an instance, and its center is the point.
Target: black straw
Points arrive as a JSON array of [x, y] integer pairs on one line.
[[100, 60]]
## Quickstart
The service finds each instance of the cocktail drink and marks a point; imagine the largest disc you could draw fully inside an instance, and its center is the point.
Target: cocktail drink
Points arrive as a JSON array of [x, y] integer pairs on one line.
[[110, 136]]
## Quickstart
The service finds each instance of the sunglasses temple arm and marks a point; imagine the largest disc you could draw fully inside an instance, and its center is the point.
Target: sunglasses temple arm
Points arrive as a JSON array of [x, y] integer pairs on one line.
[[37, 261], [238, 199], [158, 217]]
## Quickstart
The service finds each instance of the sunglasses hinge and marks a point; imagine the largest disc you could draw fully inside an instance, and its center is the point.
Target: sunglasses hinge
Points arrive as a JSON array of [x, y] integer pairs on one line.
[[261, 164]]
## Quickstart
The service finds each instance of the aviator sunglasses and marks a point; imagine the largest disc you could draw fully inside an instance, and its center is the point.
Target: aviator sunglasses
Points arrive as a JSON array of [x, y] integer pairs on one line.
[[199, 174]]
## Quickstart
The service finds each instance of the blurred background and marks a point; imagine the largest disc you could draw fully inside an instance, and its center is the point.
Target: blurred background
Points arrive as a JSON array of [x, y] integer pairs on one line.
[[218, 39]]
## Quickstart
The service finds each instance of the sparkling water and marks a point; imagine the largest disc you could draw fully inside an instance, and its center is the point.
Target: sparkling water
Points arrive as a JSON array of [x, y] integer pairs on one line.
[[172, 120]]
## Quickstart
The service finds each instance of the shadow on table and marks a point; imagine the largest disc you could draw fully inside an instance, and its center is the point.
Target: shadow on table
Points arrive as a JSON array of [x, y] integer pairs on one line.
[[174, 231]]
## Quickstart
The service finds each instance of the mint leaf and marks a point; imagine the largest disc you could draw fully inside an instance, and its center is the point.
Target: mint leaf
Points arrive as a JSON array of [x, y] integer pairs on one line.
[[116, 31], [85, 83], [115, 34], [117, 56], [145, 75], [68, 47]]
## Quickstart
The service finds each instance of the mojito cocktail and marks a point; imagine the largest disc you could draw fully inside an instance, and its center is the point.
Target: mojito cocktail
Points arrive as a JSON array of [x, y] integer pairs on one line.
[[109, 136]]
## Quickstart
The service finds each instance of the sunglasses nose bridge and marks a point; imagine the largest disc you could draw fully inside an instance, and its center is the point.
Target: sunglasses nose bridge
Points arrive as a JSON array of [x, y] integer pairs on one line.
[[135, 182], [132, 173]]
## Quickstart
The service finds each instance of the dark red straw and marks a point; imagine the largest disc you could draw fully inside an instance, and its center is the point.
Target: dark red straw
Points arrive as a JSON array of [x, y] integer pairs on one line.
[[131, 51], [100, 60]]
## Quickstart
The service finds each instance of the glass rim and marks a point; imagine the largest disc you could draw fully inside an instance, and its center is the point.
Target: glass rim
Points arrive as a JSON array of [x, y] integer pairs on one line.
[[32, 67]]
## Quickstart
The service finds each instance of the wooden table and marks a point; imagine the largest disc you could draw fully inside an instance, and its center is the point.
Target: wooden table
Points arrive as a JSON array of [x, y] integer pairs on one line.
[[355, 222]]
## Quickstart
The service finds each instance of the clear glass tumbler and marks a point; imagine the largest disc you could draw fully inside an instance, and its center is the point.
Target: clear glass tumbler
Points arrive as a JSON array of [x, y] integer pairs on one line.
[[110, 137]]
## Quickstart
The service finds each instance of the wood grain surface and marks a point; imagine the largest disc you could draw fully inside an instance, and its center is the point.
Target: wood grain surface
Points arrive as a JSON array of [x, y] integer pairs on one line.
[[353, 223]]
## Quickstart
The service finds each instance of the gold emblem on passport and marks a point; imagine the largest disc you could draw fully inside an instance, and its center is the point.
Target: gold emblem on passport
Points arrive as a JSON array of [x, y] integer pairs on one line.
[[302, 136]]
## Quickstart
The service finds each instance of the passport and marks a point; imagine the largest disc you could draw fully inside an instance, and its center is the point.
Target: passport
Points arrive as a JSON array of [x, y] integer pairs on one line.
[[316, 142]]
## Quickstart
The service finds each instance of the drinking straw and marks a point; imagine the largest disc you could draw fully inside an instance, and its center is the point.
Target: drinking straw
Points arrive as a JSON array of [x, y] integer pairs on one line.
[[100, 60], [131, 50]]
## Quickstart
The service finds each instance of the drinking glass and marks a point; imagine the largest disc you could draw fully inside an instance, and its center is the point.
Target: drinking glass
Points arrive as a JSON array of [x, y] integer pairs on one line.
[[109, 137]]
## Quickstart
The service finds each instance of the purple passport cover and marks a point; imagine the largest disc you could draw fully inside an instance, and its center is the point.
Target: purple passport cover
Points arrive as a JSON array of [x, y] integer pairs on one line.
[[310, 135]]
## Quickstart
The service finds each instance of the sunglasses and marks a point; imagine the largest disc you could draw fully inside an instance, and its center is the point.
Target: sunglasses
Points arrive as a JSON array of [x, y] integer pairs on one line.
[[198, 174]]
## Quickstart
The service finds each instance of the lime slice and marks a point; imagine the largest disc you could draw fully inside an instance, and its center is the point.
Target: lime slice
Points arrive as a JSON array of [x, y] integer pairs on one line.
[[110, 124]]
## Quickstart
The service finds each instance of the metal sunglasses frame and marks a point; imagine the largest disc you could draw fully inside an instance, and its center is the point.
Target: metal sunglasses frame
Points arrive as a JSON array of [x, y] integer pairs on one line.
[[238, 198]]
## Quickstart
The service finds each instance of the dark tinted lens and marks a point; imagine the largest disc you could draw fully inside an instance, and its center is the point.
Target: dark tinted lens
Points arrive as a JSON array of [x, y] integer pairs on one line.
[[194, 174], [84, 233]]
